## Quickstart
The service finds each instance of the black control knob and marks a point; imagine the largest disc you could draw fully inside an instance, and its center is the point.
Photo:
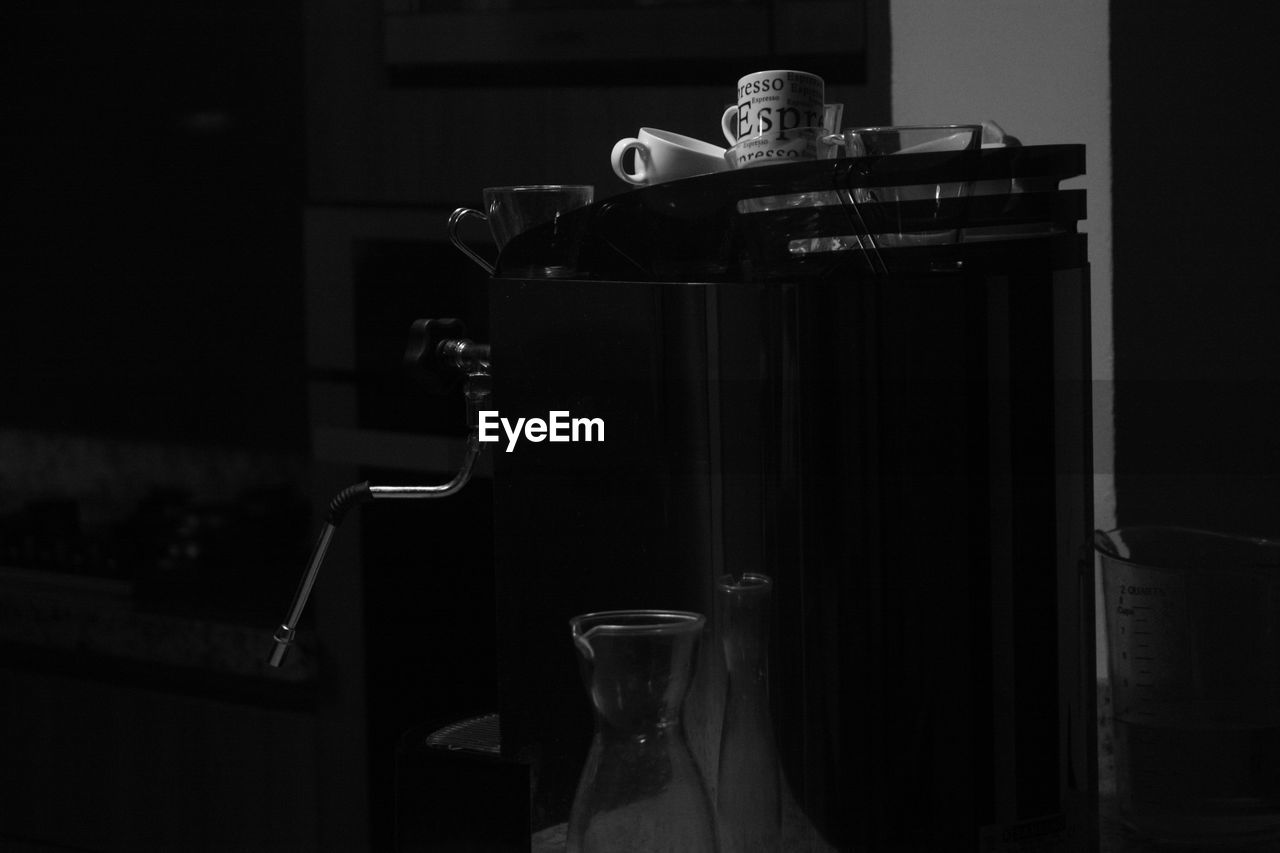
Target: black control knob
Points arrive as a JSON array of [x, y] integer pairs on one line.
[[425, 355]]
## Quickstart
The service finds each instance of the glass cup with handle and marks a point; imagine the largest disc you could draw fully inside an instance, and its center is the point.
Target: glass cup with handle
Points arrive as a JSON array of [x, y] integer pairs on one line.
[[513, 210]]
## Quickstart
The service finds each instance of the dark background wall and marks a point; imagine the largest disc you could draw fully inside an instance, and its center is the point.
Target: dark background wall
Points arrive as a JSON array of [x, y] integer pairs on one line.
[[1196, 291], [154, 161], [151, 372]]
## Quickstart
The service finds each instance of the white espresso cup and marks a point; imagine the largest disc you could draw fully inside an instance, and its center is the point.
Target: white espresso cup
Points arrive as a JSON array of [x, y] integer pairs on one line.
[[773, 101], [662, 156]]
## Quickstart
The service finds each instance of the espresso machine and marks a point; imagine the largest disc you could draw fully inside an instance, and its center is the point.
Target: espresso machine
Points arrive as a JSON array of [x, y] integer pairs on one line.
[[865, 378]]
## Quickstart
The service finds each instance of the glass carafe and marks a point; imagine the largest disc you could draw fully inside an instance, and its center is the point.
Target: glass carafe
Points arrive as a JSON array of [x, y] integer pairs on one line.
[[640, 789], [748, 796]]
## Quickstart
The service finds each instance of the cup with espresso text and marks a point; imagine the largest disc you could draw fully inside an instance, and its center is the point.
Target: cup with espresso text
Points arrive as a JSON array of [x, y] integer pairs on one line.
[[513, 210], [661, 156], [770, 101], [781, 146]]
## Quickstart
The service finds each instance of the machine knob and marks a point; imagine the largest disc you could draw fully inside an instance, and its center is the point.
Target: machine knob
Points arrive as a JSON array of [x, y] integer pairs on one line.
[[425, 356]]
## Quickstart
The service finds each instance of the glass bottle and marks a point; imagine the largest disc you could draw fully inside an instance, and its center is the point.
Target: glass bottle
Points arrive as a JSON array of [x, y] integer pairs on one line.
[[640, 789], [748, 795]]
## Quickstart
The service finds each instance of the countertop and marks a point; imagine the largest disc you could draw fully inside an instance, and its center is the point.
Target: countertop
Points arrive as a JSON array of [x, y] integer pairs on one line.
[[97, 628]]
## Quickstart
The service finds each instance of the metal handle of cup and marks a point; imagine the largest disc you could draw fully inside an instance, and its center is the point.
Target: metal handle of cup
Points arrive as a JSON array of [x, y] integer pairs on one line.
[[455, 221], [620, 149]]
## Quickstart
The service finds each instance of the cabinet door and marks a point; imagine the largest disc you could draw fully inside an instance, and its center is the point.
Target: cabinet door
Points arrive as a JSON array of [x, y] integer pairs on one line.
[[103, 767]]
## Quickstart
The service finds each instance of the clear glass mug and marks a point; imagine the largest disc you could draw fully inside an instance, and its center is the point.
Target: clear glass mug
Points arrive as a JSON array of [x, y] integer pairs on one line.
[[513, 210]]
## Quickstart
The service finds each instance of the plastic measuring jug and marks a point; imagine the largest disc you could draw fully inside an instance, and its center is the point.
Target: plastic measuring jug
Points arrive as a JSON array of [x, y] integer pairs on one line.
[[1193, 629]]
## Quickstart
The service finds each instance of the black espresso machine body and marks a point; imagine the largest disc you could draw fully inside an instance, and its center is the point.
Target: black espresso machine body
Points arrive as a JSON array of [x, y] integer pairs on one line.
[[893, 424]]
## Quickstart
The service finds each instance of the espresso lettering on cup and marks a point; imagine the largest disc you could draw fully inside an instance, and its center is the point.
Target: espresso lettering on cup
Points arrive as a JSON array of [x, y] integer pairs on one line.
[[791, 146], [774, 101]]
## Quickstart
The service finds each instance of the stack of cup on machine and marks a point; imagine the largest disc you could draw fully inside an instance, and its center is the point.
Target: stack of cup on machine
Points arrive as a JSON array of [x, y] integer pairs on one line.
[[780, 117]]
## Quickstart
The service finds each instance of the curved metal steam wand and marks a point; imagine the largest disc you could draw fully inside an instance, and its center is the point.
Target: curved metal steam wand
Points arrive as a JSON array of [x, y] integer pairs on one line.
[[463, 354]]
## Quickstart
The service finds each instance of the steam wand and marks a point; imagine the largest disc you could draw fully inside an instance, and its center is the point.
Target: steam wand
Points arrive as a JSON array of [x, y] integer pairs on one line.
[[425, 343]]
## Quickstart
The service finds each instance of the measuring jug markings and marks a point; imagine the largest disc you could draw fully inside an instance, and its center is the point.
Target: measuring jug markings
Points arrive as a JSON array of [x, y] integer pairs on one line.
[[1195, 674], [1150, 637]]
